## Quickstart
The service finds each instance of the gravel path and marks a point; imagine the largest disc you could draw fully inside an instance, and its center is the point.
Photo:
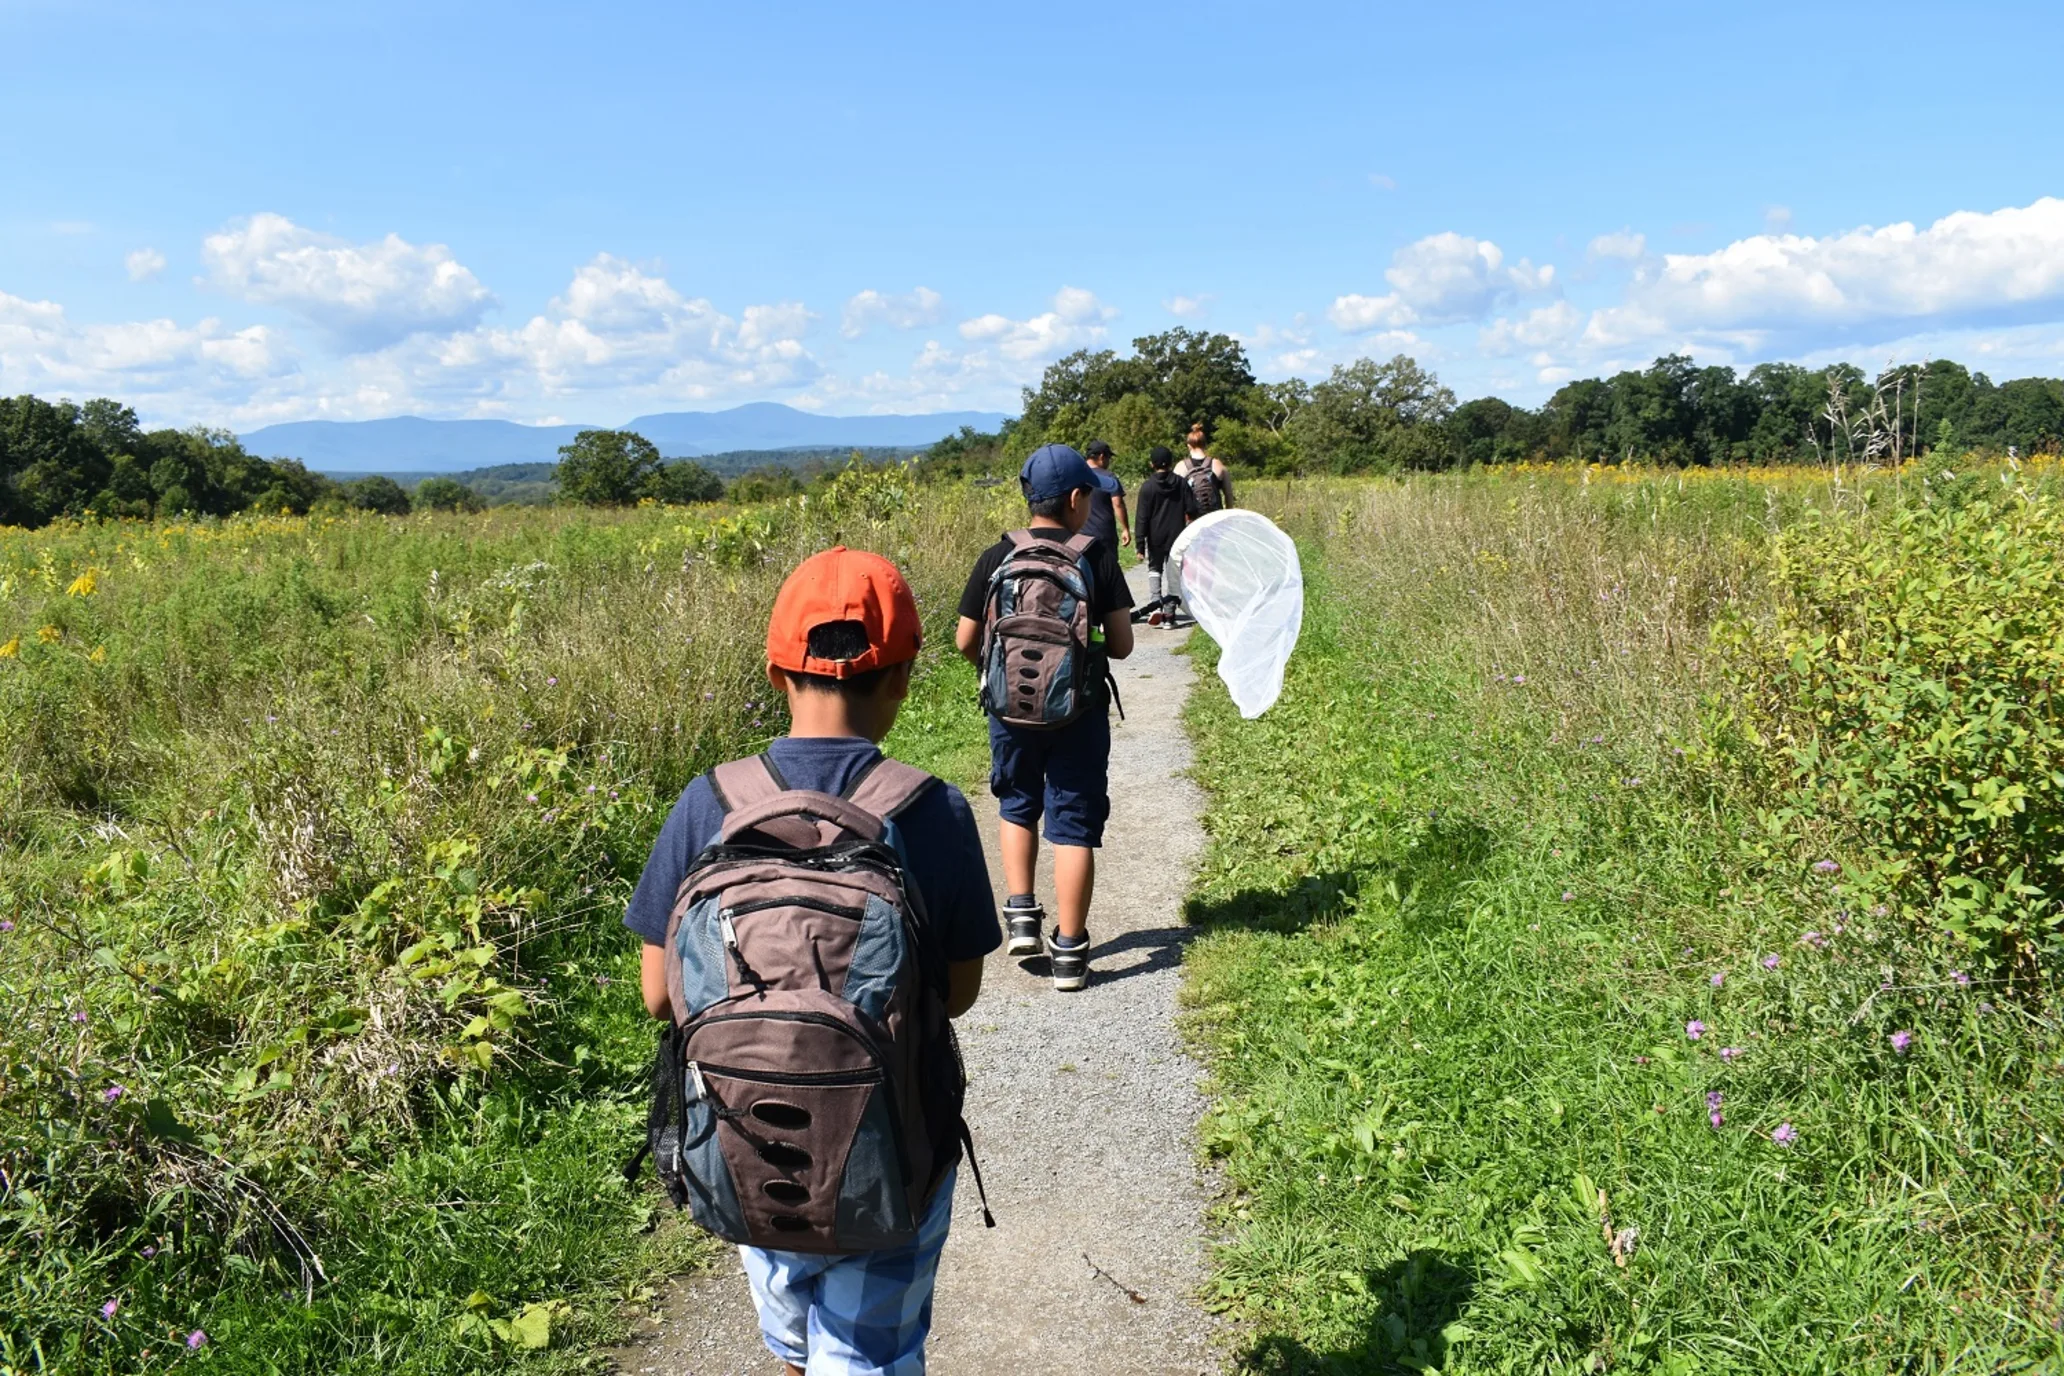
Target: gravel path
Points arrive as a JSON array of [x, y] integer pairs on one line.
[[1083, 1107]]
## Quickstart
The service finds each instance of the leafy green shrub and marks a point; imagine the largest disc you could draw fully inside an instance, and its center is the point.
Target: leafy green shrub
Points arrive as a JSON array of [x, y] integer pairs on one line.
[[1905, 693]]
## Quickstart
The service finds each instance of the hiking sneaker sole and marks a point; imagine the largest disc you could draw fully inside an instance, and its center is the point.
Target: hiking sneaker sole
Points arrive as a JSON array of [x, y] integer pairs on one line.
[[1070, 966], [1025, 924]]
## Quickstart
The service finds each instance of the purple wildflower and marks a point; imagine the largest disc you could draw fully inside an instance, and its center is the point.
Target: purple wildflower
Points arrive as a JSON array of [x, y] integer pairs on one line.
[[5, 926], [1719, 978], [270, 719], [107, 1311], [149, 1252], [1963, 980], [1770, 962], [1694, 1029], [196, 1340], [111, 1093], [1813, 939], [530, 798], [1901, 1041], [1568, 896], [1785, 1135], [1730, 1053], [1984, 1007], [552, 682], [1714, 1118], [1519, 679], [78, 1017], [1713, 1098], [1827, 867]]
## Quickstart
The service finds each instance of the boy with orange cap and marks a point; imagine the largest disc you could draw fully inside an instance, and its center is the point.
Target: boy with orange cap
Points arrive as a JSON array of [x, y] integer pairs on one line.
[[840, 645]]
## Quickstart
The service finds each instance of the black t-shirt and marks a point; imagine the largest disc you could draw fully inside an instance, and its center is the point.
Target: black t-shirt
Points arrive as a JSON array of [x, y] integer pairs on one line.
[[1108, 590]]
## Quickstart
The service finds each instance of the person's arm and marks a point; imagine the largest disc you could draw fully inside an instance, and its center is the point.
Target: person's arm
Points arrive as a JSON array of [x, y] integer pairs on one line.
[[963, 986], [1225, 480], [652, 980], [967, 638], [1118, 633], [1124, 519]]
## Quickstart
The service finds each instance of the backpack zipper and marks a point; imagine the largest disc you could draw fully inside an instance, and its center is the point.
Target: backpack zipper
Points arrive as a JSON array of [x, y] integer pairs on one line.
[[777, 1077], [822, 905]]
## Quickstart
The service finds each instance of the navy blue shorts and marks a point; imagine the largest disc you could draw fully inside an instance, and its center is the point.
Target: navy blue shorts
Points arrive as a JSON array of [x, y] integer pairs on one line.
[[1063, 775]]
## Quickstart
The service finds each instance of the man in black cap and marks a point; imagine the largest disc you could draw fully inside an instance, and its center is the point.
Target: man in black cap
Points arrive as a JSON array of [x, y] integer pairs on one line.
[[1108, 519], [1166, 505]]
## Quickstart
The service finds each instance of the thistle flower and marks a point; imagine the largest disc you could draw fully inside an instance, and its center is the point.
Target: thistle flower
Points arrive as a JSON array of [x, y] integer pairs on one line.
[[1963, 980], [1813, 939], [1784, 1135], [1568, 896], [196, 1340], [1714, 1118], [107, 1311], [1827, 867], [1901, 1041], [1694, 1029], [1713, 1098], [1770, 962], [111, 1093], [1719, 978], [5, 926], [1730, 1053]]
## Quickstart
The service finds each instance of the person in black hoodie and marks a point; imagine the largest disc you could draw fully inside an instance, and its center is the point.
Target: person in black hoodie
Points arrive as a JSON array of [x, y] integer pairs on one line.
[[1166, 505]]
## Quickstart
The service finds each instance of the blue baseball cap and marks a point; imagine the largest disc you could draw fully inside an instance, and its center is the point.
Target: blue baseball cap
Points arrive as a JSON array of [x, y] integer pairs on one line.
[[1055, 470]]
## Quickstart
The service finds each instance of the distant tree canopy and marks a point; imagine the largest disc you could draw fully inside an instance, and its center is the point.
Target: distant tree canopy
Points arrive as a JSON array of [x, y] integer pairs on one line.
[[58, 458], [379, 494], [1370, 416], [445, 494], [622, 467]]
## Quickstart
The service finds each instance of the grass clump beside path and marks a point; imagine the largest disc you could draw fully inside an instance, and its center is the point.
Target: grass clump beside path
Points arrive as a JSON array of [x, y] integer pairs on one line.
[[323, 1044], [1538, 1045]]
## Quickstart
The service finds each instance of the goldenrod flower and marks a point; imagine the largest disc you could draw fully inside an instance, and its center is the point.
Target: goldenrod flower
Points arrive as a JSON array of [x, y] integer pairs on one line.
[[49, 635], [99, 655], [11, 648], [85, 585]]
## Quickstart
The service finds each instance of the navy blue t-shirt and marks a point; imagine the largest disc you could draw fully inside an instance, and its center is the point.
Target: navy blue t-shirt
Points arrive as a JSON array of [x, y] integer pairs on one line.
[[939, 835]]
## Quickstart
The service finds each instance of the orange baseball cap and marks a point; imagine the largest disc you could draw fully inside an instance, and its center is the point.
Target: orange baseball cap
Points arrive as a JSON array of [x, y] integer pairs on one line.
[[843, 584]]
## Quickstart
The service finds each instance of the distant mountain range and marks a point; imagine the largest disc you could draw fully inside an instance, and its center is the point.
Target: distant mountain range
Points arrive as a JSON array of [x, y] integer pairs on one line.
[[411, 444]]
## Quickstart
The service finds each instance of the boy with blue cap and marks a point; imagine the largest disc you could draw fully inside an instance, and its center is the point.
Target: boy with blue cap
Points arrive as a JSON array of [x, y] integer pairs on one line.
[[1045, 591]]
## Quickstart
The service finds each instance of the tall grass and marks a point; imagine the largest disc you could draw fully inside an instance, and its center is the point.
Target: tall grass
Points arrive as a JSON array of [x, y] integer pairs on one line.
[[1536, 1047], [323, 1036]]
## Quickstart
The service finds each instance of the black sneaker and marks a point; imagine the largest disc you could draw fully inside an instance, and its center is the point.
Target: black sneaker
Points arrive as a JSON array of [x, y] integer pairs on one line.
[[1070, 963], [1024, 925]]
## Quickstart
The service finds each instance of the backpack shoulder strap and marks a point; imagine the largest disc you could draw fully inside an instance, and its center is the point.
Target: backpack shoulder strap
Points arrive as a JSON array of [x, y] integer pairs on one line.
[[745, 783], [888, 787], [1078, 544], [1020, 540]]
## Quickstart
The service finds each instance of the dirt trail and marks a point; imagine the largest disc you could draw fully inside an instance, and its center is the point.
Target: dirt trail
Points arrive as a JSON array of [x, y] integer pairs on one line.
[[1083, 1107]]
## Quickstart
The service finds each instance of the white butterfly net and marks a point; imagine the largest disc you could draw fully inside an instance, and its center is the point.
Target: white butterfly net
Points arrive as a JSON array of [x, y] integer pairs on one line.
[[1239, 576]]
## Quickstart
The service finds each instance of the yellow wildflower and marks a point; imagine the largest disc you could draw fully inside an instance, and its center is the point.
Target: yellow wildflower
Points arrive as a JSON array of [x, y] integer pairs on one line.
[[11, 648], [99, 655], [85, 585], [49, 635]]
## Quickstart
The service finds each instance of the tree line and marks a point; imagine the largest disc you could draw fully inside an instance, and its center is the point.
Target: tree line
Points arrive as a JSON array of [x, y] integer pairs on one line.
[[58, 458], [1386, 416]]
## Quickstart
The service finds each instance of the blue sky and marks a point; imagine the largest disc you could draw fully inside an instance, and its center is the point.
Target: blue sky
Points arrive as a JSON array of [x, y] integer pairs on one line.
[[234, 214]]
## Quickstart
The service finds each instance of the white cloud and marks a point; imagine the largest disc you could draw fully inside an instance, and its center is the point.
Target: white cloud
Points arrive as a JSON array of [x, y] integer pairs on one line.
[[1187, 307], [1381, 182], [910, 311], [1774, 290], [620, 328], [1623, 244], [1777, 217], [1075, 322], [365, 295], [144, 264], [1439, 280], [42, 350], [1550, 325]]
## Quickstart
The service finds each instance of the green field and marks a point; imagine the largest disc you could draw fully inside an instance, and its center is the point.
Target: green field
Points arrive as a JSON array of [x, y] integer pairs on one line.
[[322, 1039], [1477, 881]]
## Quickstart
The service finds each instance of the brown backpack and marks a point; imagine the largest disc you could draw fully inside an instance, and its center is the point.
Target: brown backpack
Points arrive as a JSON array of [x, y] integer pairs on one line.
[[807, 1094], [1203, 481], [1042, 659]]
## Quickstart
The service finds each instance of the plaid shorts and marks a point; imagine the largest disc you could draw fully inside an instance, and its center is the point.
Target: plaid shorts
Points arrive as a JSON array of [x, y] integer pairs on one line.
[[866, 1314]]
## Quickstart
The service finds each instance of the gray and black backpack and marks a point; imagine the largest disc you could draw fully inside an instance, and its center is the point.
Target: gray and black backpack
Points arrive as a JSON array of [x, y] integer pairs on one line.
[[1204, 483], [807, 1093], [1042, 656]]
